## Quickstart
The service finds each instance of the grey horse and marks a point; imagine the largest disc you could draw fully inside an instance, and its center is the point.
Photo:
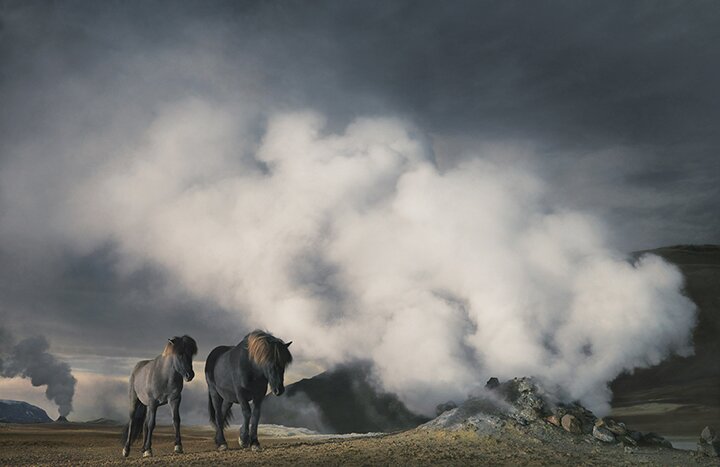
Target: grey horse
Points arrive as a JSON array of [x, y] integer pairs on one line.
[[154, 383], [241, 374]]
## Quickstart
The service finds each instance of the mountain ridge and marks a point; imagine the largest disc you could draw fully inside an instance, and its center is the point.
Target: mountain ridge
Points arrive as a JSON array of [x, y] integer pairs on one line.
[[12, 411]]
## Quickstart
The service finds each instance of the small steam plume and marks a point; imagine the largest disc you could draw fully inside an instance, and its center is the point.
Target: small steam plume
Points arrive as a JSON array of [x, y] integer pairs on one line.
[[30, 359]]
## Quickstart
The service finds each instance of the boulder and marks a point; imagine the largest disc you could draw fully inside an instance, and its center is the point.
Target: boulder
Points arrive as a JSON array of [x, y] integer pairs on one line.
[[571, 424], [617, 428], [553, 420], [612, 426], [709, 443], [708, 435], [584, 416], [603, 434], [492, 383]]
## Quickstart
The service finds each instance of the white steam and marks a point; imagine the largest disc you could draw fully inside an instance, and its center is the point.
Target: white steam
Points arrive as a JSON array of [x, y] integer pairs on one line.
[[355, 245]]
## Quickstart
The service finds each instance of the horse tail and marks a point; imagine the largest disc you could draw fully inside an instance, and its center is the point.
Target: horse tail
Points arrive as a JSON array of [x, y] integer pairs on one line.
[[210, 364], [210, 379], [226, 417], [136, 423], [211, 410], [137, 416]]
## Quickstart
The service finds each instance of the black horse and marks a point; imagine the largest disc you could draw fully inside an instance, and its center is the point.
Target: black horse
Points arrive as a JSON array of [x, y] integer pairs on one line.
[[154, 383], [241, 374]]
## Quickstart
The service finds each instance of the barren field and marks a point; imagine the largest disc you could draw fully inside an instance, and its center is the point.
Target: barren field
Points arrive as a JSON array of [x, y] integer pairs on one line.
[[78, 445]]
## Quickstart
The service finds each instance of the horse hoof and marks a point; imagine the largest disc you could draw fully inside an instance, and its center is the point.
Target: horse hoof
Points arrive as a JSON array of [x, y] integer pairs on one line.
[[242, 444], [126, 452], [222, 447], [256, 448], [147, 453], [178, 449]]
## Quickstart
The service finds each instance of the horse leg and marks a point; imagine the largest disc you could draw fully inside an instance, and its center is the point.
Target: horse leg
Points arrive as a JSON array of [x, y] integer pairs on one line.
[[150, 426], [134, 402], [254, 420], [219, 405], [244, 439], [175, 408]]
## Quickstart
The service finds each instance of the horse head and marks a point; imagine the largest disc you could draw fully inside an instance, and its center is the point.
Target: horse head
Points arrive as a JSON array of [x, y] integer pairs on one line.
[[271, 356], [275, 373], [181, 350]]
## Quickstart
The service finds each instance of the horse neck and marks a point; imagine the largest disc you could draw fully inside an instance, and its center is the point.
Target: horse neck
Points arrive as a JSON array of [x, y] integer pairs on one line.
[[165, 365]]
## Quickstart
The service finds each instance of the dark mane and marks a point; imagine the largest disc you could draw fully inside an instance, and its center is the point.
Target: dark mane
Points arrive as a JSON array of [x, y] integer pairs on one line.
[[184, 345], [266, 349]]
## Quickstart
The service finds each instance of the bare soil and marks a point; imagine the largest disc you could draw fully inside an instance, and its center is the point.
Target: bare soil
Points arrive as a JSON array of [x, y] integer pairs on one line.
[[79, 445]]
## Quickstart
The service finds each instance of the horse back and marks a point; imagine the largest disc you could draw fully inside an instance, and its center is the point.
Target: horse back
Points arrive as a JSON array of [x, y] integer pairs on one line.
[[212, 361], [139, 366]]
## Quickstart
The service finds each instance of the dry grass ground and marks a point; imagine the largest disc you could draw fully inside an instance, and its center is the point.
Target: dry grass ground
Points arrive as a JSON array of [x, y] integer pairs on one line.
[[78, 445]]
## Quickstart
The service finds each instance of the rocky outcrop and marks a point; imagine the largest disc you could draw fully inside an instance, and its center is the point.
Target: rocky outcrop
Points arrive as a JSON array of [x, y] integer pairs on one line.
[[342, 400], [524, 403]]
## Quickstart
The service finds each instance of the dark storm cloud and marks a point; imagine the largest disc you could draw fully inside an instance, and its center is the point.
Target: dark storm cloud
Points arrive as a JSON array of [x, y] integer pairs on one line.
[[571, 77], [92, 308], [570, 72], [618, 100]]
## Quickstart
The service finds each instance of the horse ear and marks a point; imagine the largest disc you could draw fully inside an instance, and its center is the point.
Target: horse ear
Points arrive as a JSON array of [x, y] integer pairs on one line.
[[288, 344]]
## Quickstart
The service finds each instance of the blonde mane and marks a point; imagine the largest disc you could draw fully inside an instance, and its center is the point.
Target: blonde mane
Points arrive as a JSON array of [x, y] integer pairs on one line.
[[266, 349], [168, 350]]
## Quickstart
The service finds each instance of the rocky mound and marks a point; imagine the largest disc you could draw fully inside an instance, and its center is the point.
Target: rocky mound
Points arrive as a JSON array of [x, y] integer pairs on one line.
[[522, 406], [21, 412]]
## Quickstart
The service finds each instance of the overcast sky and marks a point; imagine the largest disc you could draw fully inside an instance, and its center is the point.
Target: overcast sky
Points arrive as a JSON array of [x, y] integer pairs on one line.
[[613, 106]]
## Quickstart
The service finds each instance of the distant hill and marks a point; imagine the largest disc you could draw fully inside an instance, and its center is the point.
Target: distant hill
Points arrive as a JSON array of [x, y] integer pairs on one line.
[[104, 422], [21, 412], [691, 382], [343, 400]]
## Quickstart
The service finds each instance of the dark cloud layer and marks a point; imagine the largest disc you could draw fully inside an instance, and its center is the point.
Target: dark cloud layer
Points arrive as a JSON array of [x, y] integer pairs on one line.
[[90, 307], [618, 102]]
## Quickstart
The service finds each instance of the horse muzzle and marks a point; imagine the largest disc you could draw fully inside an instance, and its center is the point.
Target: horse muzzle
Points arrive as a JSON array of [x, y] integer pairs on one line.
[[279, 391], [189, 376]]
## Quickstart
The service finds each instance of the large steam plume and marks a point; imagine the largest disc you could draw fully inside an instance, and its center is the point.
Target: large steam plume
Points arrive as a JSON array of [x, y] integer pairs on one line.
[[30, 358], [356, 245]]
